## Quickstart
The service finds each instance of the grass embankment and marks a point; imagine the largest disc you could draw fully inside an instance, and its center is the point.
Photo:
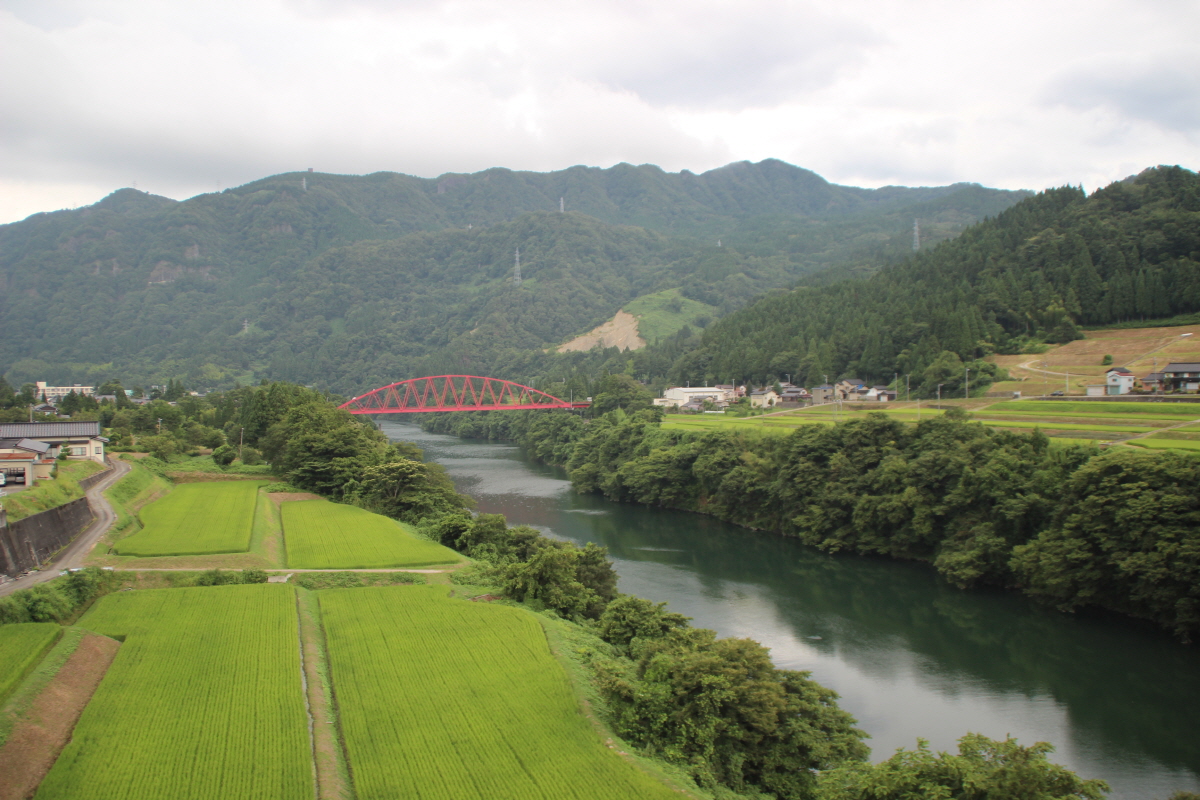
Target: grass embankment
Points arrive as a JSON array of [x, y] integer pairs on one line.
[[322, 535], [21, 647], [26, 690], [196, 519], [51, 492], [203, 700], [488, 713]]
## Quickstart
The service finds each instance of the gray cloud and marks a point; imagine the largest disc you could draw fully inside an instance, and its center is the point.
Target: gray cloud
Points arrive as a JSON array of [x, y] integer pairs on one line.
[[1165, 91]]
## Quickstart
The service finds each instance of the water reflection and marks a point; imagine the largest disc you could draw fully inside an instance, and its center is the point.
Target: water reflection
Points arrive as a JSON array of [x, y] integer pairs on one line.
[[909, 655]]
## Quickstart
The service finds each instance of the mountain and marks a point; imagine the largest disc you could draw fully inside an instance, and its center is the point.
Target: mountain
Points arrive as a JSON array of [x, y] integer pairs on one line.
[[1035, 273], [340, 281]]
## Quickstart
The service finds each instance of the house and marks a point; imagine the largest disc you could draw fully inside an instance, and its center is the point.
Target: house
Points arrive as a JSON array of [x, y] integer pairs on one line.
[[794, 395], [1182, 376], [879, 394], [824, 393], [763, 398], [80, 439], [849, 389], [24, 460], [1118, 380], [1153, 381]]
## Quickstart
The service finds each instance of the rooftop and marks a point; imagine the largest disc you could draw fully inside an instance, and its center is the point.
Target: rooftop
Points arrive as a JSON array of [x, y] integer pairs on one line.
[[48, 430]]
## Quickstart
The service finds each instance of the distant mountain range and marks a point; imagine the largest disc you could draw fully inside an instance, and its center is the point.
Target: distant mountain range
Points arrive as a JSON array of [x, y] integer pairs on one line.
[[345, 281]]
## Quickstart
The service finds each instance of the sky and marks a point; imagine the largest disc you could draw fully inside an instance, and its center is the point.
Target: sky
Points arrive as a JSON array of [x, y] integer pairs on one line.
[[180, 98]]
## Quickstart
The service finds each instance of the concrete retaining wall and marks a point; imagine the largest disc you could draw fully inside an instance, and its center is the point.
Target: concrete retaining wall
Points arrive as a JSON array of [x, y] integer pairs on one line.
[[30, 541], [42, 534]]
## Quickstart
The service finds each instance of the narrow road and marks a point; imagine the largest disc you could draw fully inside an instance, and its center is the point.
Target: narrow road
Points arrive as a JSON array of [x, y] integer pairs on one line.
[[73, 554]]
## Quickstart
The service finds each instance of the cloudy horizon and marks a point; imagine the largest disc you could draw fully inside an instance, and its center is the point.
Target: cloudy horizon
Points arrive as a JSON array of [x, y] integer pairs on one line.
[[179, 99]]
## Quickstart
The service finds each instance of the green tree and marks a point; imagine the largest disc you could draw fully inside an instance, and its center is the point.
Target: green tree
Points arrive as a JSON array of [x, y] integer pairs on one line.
[[619, 392], [983, 769], [720, 708]]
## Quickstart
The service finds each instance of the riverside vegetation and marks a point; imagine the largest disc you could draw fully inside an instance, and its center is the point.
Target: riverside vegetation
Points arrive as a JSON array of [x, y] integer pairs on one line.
[[716, 711], [1074, 526]]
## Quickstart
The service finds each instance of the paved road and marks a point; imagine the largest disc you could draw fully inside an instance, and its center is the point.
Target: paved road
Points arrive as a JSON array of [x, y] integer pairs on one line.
[[72, 556]]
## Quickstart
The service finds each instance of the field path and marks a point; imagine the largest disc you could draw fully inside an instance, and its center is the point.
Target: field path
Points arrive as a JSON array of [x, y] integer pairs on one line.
[[73, 554], [1183, 424]]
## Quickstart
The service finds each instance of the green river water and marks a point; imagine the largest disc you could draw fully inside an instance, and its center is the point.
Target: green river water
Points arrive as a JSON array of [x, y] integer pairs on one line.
[[910, 655]]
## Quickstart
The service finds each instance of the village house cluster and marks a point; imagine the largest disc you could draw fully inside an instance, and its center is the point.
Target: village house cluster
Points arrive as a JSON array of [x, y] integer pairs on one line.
[[721, 396]]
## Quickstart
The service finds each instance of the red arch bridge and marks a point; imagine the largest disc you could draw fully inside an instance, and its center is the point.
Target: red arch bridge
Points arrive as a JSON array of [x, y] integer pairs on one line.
[[453, 393]]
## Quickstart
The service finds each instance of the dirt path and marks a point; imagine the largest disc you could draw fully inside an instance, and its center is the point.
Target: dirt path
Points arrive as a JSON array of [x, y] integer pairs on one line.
[[39, 737], [329, 758], [73, 554]]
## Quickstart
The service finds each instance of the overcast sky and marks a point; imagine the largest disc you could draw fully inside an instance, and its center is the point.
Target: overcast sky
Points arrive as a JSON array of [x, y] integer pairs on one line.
[[180, 98]]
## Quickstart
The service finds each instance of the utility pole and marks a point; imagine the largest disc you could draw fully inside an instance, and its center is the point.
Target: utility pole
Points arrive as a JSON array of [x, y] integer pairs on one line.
[[908, 390], [967, 389], [940, 385], [241, 438]]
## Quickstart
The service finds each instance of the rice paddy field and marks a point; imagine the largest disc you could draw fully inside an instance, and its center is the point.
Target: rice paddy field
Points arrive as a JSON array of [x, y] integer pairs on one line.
[[441, 698], [204, 700], [22, 646], [319, 534], [1153, 425], [196, 519]]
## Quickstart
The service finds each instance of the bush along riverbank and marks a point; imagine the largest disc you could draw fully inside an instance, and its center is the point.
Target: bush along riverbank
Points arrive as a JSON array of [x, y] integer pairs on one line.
[[1074, 527]]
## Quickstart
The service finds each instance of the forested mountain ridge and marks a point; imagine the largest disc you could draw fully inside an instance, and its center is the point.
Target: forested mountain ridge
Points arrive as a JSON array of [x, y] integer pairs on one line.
[[338, 280], [1036, 272]]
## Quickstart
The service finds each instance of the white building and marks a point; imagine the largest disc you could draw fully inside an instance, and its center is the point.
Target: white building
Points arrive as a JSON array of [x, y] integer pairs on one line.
[[1119, 380], [678, 396], [55, 393]]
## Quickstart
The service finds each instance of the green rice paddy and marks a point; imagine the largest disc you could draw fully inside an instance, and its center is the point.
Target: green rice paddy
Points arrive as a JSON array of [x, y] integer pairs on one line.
[[1110, 421], [203, 700], [447, 699], [196, 519], [319, 534], [22, 646]]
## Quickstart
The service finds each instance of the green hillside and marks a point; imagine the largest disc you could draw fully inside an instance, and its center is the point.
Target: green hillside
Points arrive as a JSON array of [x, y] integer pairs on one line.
[[1035, 273], [344, 280]]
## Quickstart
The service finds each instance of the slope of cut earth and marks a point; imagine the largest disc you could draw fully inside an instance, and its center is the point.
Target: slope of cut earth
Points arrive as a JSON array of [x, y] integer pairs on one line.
[[1076, 364], [204, 700], [442, 698], [319, 534], [620, 331], [196, 519], [41, 732]]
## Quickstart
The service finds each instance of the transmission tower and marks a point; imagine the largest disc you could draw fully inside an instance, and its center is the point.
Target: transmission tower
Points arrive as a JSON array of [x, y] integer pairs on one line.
[[517, 269], [916, 235]]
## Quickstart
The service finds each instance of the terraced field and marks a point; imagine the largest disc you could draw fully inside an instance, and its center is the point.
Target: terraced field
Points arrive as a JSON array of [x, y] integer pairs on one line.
[[21, 646], [196, 519], [441, 698], [204, 700], [319, 534], [1157, 425]]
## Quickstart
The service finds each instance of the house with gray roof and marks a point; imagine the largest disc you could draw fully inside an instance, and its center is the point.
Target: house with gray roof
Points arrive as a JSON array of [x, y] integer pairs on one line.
[[1182, 376], [81, 440]]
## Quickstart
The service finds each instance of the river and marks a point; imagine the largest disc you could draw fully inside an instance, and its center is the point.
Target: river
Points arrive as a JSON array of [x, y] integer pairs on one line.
[[910, 655]]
